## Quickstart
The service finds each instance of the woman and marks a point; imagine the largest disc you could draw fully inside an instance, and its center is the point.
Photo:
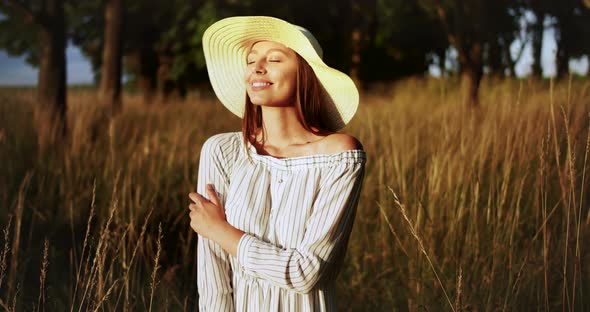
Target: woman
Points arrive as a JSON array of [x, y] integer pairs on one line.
[[275, 203]]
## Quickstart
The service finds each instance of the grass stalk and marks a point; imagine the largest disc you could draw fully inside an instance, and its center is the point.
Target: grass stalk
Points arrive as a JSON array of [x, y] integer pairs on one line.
[[43, 277], [571, 204], [17, 230], [135, 249], [458, 304], [397, 239], [421, 245], [579, 221], [84, 245], [5, 250], [154, 282], [99, 255]]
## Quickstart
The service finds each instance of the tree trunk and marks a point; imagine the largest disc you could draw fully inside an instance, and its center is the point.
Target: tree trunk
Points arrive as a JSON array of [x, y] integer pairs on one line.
[[567, 36], [442, 58], [562, 56], [355, 42], [538, 29], [472, 71], [495, 60], [144, 65], [110, 82], [471, 77], [51, 115], [165, 84]]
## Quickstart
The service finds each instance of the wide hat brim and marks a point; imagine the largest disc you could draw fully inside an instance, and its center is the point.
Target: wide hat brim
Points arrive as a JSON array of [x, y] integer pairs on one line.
[[227, 42]]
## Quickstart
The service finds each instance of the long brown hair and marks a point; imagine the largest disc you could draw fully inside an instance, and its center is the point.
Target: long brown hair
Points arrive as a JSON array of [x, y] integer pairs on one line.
[[308, 100]]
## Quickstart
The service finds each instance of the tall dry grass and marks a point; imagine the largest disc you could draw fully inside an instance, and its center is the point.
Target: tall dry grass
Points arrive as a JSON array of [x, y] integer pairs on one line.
[[462, 209]]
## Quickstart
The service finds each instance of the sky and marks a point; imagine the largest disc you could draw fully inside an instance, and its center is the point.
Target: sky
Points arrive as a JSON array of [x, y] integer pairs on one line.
[[15, 71]]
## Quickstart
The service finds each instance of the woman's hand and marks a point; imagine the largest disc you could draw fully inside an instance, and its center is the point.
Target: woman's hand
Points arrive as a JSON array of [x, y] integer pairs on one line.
[[207, 216], [208, 219]]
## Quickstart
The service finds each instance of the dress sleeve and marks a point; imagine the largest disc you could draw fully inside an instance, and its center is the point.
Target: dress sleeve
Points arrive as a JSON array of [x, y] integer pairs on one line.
[[325, 240], [213, 263]]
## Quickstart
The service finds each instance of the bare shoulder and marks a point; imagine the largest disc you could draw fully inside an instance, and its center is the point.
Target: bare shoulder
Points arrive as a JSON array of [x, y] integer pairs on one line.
[[340, 142]]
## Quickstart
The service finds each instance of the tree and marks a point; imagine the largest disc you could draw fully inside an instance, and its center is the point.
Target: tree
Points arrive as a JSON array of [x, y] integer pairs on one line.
[[181, 62], [540, 8], [502, 31], [161, 42], [362, 21], [570, 20], [572, 23], [112, 54], [470, 27], [90, 28], [406, 39], [46, 20], [86, 21]]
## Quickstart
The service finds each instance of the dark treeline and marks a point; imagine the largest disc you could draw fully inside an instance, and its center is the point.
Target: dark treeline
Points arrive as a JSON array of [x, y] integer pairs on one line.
[[157, 44]]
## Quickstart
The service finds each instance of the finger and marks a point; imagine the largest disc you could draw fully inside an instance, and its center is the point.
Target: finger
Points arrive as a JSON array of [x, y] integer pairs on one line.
[[198, 198], [192, 207], [194, 197], [213, 195]]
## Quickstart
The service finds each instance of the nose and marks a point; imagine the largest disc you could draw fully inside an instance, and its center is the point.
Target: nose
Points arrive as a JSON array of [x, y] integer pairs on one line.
[[259, 67]]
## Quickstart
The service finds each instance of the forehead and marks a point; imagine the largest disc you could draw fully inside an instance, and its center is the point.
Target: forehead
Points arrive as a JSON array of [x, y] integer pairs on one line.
[[262, 46]]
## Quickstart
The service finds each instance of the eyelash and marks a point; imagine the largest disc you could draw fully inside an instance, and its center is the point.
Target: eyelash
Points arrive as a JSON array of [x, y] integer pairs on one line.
[[270, 61]]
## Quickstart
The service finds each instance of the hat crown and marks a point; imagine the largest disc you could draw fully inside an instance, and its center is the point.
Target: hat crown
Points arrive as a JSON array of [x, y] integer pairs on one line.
[[314, 42]]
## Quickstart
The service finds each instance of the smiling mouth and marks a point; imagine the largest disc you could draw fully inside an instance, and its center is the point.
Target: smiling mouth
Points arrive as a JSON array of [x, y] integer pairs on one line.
[[260, 84]]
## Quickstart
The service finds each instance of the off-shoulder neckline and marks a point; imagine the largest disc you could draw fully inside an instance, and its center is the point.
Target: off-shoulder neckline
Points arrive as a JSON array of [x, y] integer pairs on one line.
[[354, 156]]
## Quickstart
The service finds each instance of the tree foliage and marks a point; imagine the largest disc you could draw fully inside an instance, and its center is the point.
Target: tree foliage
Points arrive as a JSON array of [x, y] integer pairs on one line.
[[162, 39], [17, 37], [479, 30]]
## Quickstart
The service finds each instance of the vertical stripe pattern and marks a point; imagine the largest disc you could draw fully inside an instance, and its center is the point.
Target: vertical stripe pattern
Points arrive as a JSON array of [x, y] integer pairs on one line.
[[297, 213]]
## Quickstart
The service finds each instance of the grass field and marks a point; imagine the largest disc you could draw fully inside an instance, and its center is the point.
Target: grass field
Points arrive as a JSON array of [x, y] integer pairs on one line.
[[462, 209]]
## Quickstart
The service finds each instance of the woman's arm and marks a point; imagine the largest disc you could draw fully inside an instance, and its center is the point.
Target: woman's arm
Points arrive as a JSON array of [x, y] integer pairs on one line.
[[213, 263], [325, 240]]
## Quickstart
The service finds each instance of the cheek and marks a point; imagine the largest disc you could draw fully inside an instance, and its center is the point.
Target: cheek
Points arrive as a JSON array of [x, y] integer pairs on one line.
[[293, 83], [290, 80], [246, 76]]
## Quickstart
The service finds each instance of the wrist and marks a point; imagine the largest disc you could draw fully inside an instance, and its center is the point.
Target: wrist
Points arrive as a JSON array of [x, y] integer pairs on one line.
[[220, 229], [228, 237]]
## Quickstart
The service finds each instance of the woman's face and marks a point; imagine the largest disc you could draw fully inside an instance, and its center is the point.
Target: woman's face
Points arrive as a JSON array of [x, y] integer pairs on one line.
[[271, 75]]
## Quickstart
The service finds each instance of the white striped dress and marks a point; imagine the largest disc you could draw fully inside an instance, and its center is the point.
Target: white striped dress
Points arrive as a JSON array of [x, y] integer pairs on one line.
[[297, 213]]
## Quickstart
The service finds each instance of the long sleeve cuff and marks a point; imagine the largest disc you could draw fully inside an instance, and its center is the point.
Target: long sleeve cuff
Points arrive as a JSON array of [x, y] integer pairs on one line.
[[243, 247]]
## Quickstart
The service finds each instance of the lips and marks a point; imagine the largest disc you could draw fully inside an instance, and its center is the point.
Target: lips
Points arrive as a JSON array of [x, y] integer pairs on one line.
[[260, 85]]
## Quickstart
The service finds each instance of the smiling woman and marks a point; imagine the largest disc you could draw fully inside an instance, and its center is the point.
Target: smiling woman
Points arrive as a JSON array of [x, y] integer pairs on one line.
[[271, 74], [275, 202]]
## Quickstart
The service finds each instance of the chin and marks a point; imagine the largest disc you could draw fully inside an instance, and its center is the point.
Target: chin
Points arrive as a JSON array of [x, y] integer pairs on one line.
[[268, 103], [261, 102]]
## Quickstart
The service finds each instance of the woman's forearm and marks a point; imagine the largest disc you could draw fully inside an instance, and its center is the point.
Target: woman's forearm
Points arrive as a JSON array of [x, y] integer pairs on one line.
[[227, 237]]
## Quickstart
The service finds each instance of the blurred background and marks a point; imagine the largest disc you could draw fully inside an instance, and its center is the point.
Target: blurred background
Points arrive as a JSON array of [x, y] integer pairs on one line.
[[530, 39], [156, 48], [474, 115]]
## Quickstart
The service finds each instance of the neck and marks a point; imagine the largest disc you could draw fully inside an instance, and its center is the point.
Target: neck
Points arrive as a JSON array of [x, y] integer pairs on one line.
[[282, 128]]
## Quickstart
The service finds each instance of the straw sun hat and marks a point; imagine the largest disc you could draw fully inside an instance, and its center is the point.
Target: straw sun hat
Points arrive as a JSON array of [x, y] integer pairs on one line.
[[226, 44]]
